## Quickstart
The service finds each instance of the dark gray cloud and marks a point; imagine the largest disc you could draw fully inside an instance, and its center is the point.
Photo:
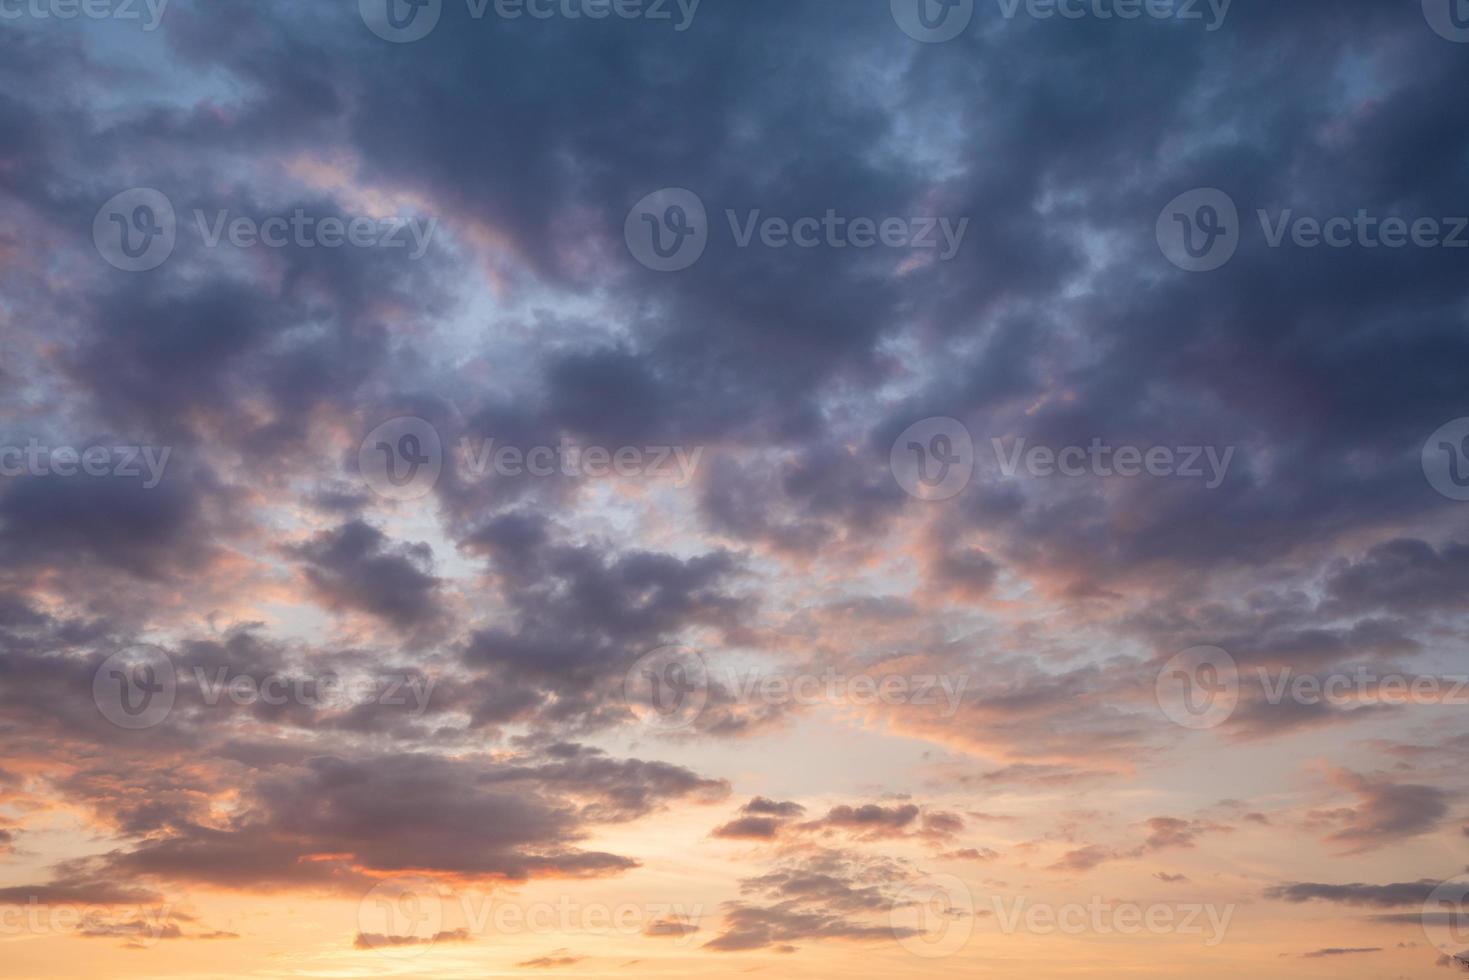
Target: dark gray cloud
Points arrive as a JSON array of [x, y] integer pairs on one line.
[[1371, 896], [356, 567]]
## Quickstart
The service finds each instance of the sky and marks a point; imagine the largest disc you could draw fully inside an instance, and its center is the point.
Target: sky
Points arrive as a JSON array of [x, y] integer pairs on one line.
[[656, 488]]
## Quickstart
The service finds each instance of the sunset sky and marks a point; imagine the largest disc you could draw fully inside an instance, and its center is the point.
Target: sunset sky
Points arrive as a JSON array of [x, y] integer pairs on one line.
[[657, 488]]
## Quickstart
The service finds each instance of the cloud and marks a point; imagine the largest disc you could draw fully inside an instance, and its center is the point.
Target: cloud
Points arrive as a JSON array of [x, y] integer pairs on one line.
[[355, 567], [1387, 811], [1357, 894], [372, 940], [559, 958]]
